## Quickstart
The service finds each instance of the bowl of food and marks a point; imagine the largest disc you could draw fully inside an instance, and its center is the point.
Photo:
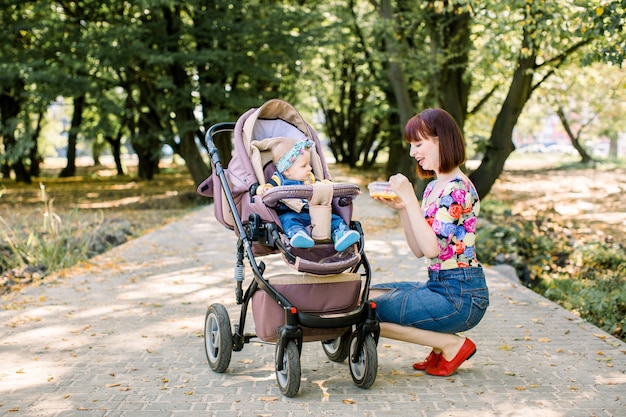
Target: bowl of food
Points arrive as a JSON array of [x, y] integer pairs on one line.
[[381, 189]]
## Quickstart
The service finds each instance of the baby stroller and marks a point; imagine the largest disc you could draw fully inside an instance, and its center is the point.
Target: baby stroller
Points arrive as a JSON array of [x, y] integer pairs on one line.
[[324, 295]]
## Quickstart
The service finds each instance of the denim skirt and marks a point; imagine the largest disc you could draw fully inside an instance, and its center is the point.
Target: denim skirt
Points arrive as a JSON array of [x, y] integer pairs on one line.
[[451, 301]]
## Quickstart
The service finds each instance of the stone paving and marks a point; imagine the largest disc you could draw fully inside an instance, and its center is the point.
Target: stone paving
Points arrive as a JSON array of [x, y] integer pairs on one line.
[[121, 335]]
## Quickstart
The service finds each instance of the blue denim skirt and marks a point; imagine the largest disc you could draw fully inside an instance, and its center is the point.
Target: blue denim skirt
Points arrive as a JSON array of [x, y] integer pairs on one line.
[[451, 301]]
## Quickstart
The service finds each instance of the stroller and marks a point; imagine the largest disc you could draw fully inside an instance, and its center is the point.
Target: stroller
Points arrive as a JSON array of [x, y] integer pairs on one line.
[[324, 295]]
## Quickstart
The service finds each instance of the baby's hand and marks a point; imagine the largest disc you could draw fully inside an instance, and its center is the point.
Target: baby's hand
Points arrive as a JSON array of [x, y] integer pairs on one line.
[[261, 189]]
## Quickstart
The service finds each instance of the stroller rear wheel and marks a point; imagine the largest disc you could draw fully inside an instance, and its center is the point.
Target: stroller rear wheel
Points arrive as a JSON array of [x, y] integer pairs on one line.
[[288, 377], [364, 370], [218, 339], [337, 349]]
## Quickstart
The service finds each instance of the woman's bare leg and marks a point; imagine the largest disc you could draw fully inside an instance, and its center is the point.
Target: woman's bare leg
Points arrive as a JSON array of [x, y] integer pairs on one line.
[[448, 343]]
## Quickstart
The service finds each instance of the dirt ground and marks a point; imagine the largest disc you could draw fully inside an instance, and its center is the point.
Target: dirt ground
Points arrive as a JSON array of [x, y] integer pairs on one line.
[[99, 192], [590, 201]]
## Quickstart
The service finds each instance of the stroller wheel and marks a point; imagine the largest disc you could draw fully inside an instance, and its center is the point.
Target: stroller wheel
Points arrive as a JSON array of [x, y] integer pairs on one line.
[[218, 339], [337, 349], [288, 377], [364, 370]]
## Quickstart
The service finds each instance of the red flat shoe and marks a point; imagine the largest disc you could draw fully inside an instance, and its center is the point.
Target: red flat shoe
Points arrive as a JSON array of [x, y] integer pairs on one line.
[[431, 360], [445, 368]]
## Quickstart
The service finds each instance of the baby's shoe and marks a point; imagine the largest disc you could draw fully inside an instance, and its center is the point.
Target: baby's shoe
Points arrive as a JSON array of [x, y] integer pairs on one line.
[[301, 240], [345, 238]]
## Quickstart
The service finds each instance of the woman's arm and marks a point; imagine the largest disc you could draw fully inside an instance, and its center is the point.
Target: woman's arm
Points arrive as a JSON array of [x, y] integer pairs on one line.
[[419, 235]]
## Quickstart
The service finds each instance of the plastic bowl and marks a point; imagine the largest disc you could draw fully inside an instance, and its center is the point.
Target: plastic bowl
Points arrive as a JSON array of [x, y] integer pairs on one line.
[[381, 189]]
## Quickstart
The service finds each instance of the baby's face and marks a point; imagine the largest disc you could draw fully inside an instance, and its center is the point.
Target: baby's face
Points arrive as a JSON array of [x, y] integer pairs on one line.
[[300, 169]]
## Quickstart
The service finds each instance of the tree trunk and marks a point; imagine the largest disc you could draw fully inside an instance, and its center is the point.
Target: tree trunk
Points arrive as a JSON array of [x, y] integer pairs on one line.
[[72, 138], [450, 33], [585, 158], [35, 157], [500, 143], [188, 148], [10, 108], [116, 147], [398, 161]]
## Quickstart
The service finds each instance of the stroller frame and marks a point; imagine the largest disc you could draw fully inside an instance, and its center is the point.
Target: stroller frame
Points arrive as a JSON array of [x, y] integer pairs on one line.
[[358, 342]]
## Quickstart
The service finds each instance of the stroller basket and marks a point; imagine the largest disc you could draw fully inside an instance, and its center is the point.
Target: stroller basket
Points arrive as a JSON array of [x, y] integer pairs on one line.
[[325, 298]]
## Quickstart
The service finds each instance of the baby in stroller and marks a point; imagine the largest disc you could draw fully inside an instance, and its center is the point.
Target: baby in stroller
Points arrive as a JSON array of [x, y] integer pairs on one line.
[[293, 167]]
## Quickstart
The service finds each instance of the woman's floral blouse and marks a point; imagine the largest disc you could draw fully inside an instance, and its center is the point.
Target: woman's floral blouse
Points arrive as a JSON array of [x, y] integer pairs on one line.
[[452, 216]]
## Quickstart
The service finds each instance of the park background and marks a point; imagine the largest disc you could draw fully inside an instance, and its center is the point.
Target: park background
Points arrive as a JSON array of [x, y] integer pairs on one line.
[[537, 88]]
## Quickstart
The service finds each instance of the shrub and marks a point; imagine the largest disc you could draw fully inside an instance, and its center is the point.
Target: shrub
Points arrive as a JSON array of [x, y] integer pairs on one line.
[[584, 275]]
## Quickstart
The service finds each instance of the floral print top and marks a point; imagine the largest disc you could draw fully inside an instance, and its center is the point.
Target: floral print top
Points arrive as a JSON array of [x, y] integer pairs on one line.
[[452, 216]]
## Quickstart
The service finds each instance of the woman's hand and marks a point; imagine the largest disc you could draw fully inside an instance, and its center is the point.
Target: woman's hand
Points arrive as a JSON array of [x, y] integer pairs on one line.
[[402, 187]]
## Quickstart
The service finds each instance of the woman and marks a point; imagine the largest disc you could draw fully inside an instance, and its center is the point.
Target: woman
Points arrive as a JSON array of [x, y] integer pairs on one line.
[[442, 229]]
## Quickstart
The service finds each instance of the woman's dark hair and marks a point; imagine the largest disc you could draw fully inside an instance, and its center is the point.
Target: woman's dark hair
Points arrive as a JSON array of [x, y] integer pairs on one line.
[[437, 123]]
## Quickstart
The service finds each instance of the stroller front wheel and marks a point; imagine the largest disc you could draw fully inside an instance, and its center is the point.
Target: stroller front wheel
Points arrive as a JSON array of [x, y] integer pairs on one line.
[[288, 377], [364, 370], [218, 339]]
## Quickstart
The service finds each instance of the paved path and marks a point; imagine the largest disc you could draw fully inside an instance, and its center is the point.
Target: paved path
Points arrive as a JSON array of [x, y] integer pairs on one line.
[[122, 336]]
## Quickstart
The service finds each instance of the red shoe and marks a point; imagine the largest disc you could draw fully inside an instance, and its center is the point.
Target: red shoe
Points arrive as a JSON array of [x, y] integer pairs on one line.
[[445, 368], [431, 361]]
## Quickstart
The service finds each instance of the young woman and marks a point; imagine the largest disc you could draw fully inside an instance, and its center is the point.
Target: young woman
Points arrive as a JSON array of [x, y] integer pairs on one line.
[[443, 230]]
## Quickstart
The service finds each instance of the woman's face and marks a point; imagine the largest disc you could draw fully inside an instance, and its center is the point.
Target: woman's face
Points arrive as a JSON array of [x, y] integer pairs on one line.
[[426, 153]]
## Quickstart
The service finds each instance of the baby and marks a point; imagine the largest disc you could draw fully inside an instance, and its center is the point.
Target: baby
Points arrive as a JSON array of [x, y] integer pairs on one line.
[[293, 167]]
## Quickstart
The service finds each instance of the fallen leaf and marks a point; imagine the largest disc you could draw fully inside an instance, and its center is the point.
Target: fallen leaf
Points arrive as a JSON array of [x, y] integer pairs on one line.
[[268, 399], [112, 385], [348, 401], [506, 347]]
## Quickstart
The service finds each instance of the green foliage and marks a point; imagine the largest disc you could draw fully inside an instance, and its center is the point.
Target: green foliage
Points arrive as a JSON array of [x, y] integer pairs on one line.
[[585, 277], [596, 289]]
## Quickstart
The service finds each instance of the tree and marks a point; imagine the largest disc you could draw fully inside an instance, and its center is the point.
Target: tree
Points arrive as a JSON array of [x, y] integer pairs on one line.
[[539, 37], [344, 83]]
